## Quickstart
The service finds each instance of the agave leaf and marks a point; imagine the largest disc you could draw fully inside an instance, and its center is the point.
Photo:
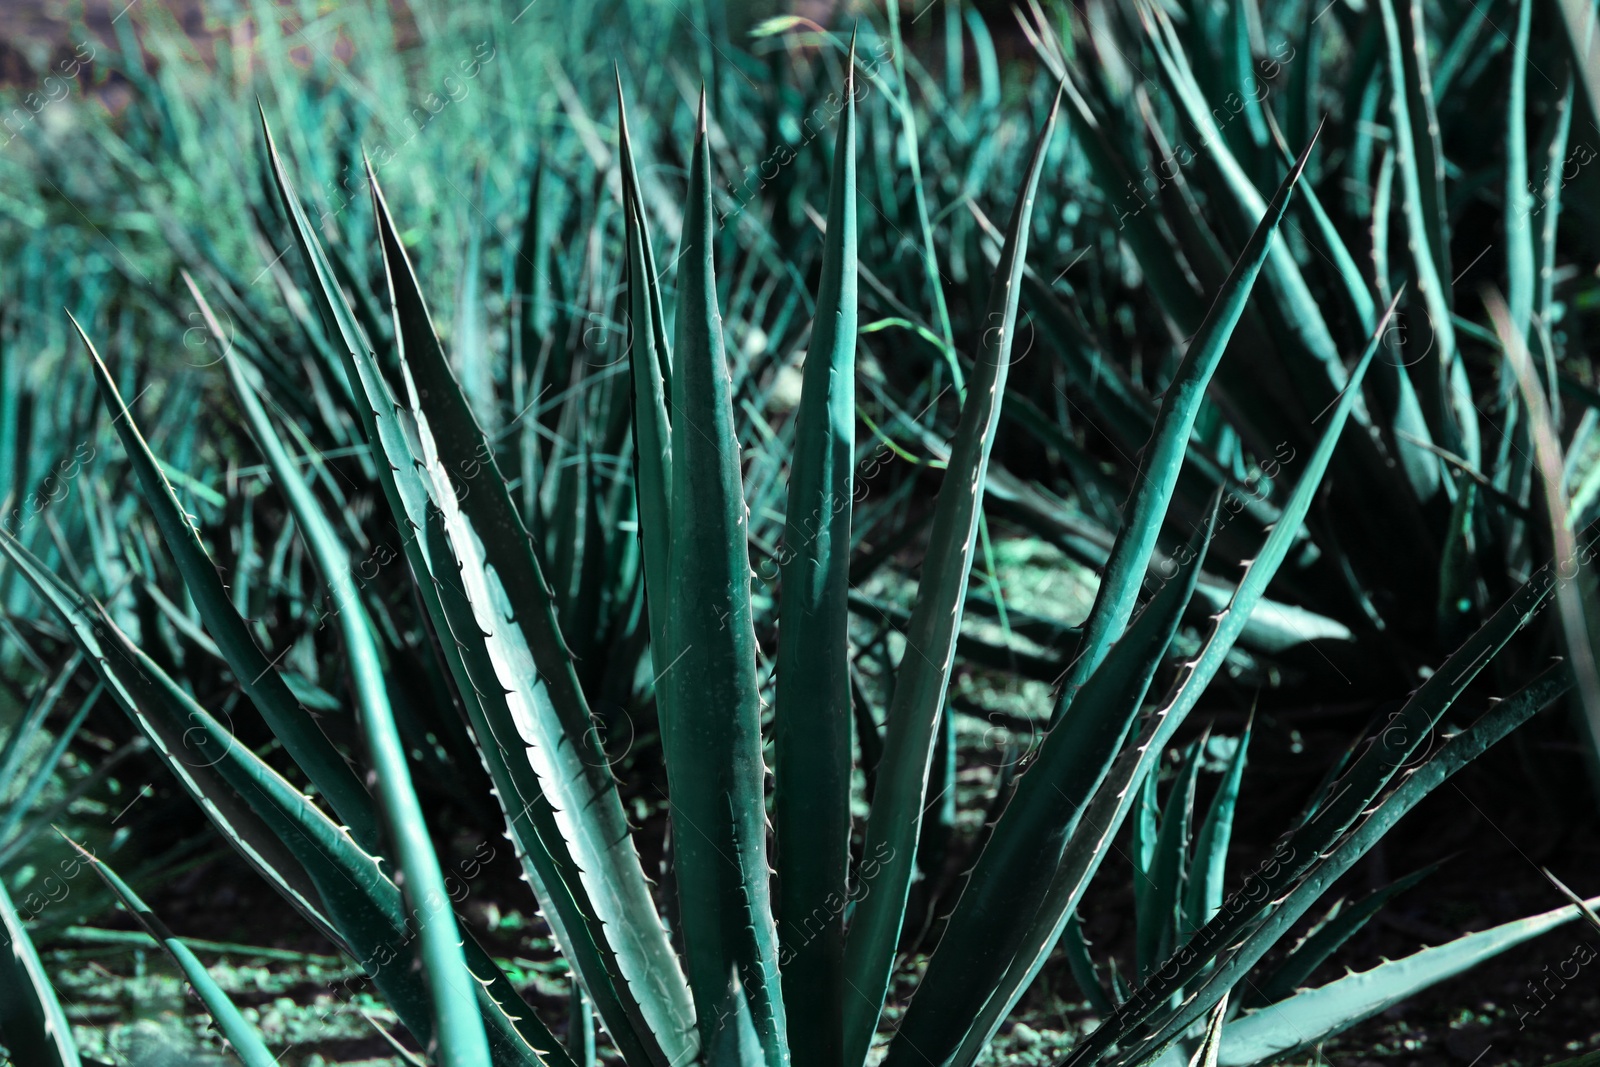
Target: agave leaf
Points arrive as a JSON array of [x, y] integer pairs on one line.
[[1391, 385], [1325, 941], [368, 909], [913, 158], [470, 347], [1142, 837], [33, 1028], [1424, 121], [1588, 1059], [1174, 288], [243, 1038], [1324, 787], [530, 690], [528, 322], [715, 770], [1459, 577], [1352, 281], [1076, 948], [1241, 76], [1114, 798], [1203, 895], [1577, 18], [458, 1026], [1022, 854], [1492, 727], [1118, 403], [1316, 853], [540, 844], [1160, 907], [896, 818], [1163, 455], [580, 1029], [1449, 399], [1211, 1042], [1305, 83], [291, 723], [11, 395], [43, 774], [189, 758], [1465, 50], [811, 722], [529, 802], [1549, 197], [1117, 406], [1294, 311], [1561, 887], [302, 853], [416, 491], [1317, 1014], [408, 496], [42, 820], [1520, 269], [418, 487], [652, 429], [1574, 594], [32, 721]]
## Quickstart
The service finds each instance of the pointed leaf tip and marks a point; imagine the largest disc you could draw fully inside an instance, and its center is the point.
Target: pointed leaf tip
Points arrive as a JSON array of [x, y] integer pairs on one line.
[[1305, 153], [78, 326]]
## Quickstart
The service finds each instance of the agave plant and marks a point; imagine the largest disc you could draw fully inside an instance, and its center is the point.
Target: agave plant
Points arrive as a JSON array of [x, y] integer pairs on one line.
[[788, 950], [1447, 439]]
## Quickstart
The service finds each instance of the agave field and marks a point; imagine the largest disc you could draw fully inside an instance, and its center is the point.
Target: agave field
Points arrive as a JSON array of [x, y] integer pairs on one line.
[[749, 535]]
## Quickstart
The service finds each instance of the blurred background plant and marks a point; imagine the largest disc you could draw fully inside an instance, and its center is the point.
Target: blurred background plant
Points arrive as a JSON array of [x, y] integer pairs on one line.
[[1452, 165]]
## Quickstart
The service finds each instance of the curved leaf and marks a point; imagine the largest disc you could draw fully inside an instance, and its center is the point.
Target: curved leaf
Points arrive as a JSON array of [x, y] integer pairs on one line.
[[244, 1040], [529, 691], [32, 1025], [811, 721], [1317, 1014], [302, 853], [715, 770], [291, 723], [919, 690], [1115, 797], [1012, 875], [1163, 455], [1203, 896], [1325, 941]]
